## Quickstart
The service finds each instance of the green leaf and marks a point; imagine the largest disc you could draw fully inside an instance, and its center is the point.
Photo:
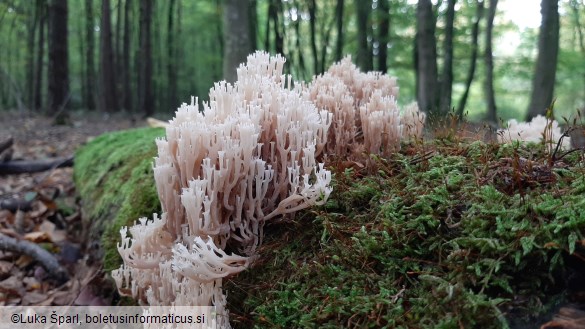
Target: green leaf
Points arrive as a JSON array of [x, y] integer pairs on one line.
[[527, 243]]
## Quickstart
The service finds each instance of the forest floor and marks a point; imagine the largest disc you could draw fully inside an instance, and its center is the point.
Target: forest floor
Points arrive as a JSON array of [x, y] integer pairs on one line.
[[52, 218]]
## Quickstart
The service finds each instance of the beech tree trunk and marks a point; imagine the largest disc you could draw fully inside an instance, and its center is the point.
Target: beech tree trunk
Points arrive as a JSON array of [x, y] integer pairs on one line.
[[145, 96], [447, 75], [543, 82], [383, 38], [473, 61], [489, 64], [426, 57], [58, 61], [237, 45], [126, 86], [39, 67], [108, 102], [339, 25], [171, 60], [313, 36], [89, 56], [364, 53]]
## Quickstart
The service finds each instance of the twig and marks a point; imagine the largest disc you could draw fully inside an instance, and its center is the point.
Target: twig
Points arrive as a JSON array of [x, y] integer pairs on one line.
[[21, 167], [43, 257]]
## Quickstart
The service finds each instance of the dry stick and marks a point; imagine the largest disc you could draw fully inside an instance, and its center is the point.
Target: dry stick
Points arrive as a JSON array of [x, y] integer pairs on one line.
[[43, 257], [21, 167]]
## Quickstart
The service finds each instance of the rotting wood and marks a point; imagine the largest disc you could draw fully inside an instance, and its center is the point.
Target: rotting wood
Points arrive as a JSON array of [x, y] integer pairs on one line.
[[33, 166]]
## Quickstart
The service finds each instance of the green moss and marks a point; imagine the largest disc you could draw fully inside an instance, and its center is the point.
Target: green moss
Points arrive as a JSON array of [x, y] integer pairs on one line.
[[432, 243], [114, 179]]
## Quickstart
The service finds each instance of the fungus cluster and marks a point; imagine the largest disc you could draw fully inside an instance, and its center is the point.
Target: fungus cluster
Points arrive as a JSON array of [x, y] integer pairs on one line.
[[250, 156]]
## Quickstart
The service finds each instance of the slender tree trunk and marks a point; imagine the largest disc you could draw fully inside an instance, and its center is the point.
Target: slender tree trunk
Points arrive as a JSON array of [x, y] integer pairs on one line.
[[313, 36], [30, 58], [125, 72], [325, 40], [278, 28], [473, 61], [171, 56], [145, 96], [383, 38], [301, 58], [447, 75], [426, 50], [39, 67], [364, 53], [543, 83], [109, 101], [253, 23], [580, 34], [339, 24], [489, 64], [89, 56], [236, 37], [58, 61]]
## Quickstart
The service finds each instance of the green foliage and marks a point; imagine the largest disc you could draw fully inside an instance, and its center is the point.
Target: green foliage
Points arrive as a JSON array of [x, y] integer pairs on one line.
[[426, 243], [113, 175]]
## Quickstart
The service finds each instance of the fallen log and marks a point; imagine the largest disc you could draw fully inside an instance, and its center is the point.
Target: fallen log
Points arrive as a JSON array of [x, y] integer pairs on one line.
[[33, 166], [43, 257], [15, 204]]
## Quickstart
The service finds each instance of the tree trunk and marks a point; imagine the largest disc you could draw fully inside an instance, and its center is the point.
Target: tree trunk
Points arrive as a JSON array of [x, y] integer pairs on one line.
[[278, 27], [171, 58], [301, 58], [426, 61], [313, 36], [383, 37], [364, 53], [543, 82], [89, 56], [145, 96], [109, 102], [127, 89], [39, 67], [580, 35], [339, 24], [30, 59], [236, 36], [253, 23], [489, 64], [447, 75], [473, 60], [58, 61]]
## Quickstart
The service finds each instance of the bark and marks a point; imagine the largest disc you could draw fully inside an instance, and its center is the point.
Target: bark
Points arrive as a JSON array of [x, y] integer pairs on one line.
[[489, 64], [33, 166], [145, 96], [109, 101], [171, 58], [253, 23], [313, 36], [543, 82], [364, 53], [58, 61], [300, 56], [580, 34], [426, 61], [40, 55], [278, 27], [89, 56], [236, 36], [447, 75], [383, 38], [125, 72], [34, 251], [473, 60], [30, 59], [339, 25]]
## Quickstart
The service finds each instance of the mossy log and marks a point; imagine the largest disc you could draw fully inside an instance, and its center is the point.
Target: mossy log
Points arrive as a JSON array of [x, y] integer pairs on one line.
[[114, 179]]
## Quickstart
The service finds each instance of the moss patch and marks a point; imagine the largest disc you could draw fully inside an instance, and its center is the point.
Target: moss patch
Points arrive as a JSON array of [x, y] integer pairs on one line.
[[469, 235], [114, 178]]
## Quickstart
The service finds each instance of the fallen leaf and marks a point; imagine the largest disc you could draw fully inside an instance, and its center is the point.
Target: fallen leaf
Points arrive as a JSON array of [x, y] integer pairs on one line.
[[37, 237], [33, 297]]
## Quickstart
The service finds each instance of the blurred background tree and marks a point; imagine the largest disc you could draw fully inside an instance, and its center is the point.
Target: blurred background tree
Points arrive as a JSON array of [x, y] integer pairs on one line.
[[147, 56]]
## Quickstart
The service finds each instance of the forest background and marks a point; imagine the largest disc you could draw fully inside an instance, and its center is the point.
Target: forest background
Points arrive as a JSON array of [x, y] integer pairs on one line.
[[147, 56]]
